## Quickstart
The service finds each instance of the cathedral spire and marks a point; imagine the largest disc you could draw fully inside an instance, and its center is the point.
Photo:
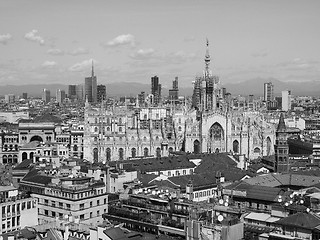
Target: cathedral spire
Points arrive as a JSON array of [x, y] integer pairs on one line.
[[207, 56], [281, 125]]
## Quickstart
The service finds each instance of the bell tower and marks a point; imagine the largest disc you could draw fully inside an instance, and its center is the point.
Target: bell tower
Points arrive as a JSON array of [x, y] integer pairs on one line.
[[281, 148]]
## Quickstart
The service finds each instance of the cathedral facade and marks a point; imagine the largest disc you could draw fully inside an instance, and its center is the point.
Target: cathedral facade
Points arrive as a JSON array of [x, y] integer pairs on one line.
[[209, 125]]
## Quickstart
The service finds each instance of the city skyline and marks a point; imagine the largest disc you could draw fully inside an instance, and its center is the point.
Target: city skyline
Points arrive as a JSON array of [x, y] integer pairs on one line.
[[55, 42]]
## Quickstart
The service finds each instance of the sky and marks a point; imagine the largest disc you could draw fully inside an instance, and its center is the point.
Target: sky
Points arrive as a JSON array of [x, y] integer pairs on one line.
[[55, 41]]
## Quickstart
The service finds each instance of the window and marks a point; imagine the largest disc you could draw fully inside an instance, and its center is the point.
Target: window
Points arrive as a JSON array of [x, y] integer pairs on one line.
[[98, 213], [46, 212], [105, 201], [81, 206], [28, 204], [81, 216], [120, 153], [98, 202], [90, 204], [68, 206], [53, 203], [184, 172], [60, 204]]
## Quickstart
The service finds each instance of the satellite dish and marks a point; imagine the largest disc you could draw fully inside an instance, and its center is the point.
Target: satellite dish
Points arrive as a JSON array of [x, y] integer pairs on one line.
[[220, 218], [226, 204], [221, 201]]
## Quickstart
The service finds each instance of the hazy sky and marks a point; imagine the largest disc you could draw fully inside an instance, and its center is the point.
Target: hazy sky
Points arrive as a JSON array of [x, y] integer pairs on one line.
[[54, 41]]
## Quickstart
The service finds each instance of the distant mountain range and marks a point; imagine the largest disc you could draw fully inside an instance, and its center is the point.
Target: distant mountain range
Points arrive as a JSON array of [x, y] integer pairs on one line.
[[253, 86]]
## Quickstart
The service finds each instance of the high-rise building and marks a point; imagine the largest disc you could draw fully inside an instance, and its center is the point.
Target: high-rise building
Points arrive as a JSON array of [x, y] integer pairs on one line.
[[60, 96], [156, 90], [141, 99], [286, 100], [46, 95], [10, 98], [102, 93], [281, 147], [174, 92], [79, 92], [90, 87], [25, 95], [72, 92], [268, 92]]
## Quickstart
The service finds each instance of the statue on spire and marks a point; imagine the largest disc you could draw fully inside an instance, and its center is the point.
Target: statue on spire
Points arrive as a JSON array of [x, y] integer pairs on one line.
[[207, 60]]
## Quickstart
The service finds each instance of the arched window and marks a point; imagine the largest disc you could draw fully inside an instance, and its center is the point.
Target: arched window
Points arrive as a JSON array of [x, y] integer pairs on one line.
[[144, 138], [235, 146], [269, 145], [108, 154], [133, 152], [158, 152], [108, 128], [145, 152], [145, 117], [31, 155], [5, 159], [170, 149], [216, 132], [10, 158], [179, 128], [15, 159], [157, 138], [75, 148], [256, 150], [95, 154], [120, 153], [24, 156], [196, 146]]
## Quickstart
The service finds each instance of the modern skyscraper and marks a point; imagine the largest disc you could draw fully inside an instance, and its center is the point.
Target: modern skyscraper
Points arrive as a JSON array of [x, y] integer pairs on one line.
[[46, 95], [102, 93], [268, 92], [72, 93], [286, 100], [156, 90], [60, 96], [281, 147], [90, 87], [10, 98], [174, 92], [79, 92], [141, 99]]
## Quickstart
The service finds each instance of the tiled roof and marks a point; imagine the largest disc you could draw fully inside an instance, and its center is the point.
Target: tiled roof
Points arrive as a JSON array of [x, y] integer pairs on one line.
[[36, 178], [214, 162], [155, 164], [301, 220], [258, 192], [25, 164], [277, 180]]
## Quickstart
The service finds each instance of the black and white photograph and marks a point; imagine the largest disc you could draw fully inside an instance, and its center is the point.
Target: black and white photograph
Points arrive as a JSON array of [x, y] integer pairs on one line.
[[160, 119]]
